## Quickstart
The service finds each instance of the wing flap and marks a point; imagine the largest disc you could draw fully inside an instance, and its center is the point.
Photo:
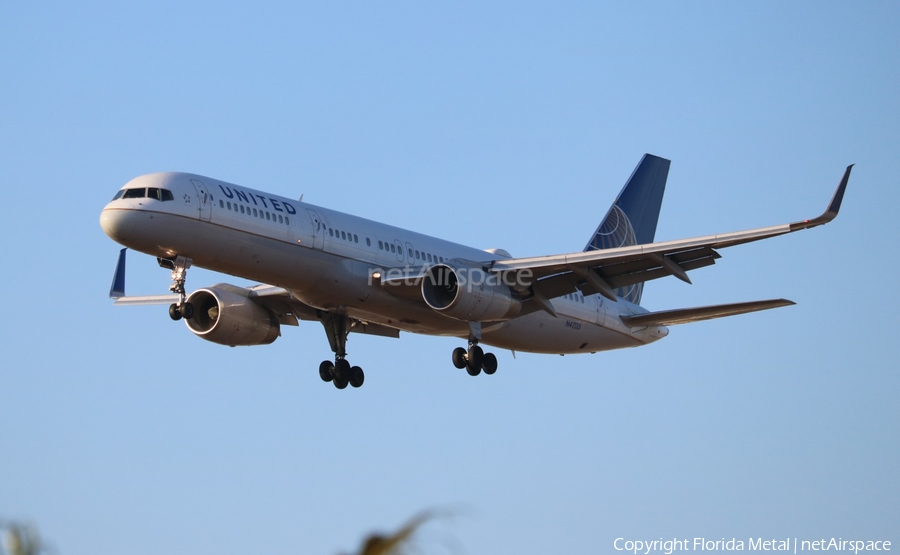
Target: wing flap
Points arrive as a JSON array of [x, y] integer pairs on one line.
[[370, 328]]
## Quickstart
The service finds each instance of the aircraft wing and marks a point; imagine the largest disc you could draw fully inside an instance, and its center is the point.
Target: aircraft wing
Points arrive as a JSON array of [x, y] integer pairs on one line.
[[688, 315], [280, 301], [602, 271]]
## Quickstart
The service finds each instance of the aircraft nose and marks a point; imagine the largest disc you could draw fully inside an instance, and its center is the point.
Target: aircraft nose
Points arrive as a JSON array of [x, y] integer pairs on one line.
[[117, 223]]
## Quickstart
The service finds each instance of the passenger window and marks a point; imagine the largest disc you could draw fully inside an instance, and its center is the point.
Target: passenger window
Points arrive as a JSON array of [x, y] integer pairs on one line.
[[331, 232], [280, 219], [268, 216], [166, 195], [287, 221], [393, 248], [221, 203], [380, 246], [135, 193], [242, 209], [255, 213], [368, 242], [429, 257], [229, 206], [410, 253], [355, 238]]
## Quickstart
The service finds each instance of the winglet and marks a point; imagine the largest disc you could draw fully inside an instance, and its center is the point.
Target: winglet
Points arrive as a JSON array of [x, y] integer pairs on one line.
[[833, 208], [117, 288]]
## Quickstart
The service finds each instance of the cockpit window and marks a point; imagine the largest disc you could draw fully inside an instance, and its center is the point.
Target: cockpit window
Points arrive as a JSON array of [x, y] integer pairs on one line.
[[135, 193], [149, 192]]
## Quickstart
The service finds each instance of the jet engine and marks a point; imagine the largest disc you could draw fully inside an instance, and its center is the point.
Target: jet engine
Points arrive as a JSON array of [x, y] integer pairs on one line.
[[469, 294], [226, 315]]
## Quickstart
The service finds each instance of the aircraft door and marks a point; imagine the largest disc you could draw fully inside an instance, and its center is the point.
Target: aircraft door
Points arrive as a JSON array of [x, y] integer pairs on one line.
[[399, 250], [205, 202], [318, 229]]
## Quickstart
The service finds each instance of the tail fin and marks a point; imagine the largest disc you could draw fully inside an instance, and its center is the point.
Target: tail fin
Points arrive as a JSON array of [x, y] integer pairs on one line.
[[631, 220]]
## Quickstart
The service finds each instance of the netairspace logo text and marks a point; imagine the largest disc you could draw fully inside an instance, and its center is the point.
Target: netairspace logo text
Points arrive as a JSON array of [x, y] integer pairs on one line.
[[787, 545]]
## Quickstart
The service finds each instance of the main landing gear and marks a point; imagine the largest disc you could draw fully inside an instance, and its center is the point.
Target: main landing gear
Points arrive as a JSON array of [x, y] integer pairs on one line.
[[474, 360], [339, 372], [179, 266]]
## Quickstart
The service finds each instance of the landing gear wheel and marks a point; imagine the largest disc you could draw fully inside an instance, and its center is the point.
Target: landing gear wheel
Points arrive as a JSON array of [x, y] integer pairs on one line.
[[340, 383], [357, 376], [174, 313], [187, 310], [459, 357], [489, 364], [326, 370], [474, 360], [342, 371]]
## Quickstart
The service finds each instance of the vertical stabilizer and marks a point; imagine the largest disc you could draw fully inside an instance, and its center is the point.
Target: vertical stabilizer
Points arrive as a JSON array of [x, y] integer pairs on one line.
[[632, 218]]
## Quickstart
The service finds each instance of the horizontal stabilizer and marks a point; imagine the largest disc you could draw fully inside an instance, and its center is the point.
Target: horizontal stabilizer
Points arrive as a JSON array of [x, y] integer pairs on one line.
[[688, 315]]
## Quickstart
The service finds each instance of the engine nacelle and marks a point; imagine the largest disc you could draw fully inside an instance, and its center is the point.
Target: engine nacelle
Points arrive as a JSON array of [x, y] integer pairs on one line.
[[225, 314], [469, 294]]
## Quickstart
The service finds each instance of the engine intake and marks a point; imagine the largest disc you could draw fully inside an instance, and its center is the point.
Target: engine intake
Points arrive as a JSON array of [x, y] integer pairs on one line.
[[469, 294], [226, 315]]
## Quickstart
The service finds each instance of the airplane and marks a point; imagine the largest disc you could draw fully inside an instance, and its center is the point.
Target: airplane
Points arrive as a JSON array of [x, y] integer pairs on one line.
[[355, 275]]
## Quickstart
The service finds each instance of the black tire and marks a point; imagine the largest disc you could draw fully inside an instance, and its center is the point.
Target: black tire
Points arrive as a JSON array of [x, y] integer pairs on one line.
[[473, 371], [489, 364], [340, 383], [174, 313], [459, 357], [474, 359], [187, 311], [357, 376], [342, 371], [326, 370]]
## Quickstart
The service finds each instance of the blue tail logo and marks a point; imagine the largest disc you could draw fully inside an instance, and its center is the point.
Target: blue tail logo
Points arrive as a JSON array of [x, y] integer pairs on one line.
[[632, 218]]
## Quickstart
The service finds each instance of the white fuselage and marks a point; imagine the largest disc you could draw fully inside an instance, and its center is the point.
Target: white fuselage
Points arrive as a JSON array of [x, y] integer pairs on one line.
[[326, 260]]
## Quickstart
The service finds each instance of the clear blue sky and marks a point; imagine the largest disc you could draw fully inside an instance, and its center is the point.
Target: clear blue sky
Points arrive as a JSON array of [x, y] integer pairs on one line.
[[506, 125]]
